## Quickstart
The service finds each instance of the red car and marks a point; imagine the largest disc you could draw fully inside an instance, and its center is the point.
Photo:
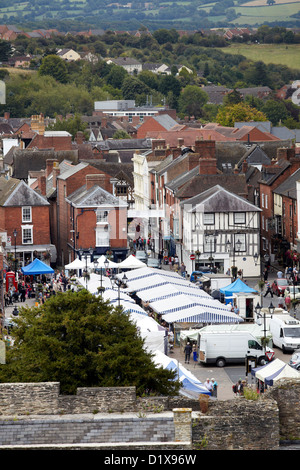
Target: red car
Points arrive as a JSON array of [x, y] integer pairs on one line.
[[279, 286]]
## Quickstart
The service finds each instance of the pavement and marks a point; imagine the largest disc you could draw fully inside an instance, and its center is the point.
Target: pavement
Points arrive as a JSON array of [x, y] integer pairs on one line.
[[202, 372]]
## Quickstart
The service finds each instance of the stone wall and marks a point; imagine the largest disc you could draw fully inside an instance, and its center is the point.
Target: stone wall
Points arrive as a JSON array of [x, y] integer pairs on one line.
[[45, 399], [287, 396], [238, 424], [36, 414]]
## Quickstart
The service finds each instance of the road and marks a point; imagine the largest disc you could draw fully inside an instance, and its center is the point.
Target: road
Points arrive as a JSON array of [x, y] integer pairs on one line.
[[225, 376]]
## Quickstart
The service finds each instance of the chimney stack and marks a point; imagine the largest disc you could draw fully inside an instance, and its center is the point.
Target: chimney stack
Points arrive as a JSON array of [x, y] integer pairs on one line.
[[207, 152], [42, 183], [55, 172], [97, 179]]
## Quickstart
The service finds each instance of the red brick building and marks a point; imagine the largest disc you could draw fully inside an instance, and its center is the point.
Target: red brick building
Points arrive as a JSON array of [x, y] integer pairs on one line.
[[25, 218], [276, 231]]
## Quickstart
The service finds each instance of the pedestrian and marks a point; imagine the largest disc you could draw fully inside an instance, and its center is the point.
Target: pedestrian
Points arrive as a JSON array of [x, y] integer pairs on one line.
[[279, 275], [214, 390], [187, 351], [274, 288], [236, 310], [269, 290], [281, 301], [266, 274], [208, 384], [195, 355], [288, 302], [182, 269], [239, 388]]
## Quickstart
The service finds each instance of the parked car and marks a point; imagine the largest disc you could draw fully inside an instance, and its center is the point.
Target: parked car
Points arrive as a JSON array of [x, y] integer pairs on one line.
[[197, 274], [141, 255], [153, 263], [294, 292], [279, 286], [295, 360]]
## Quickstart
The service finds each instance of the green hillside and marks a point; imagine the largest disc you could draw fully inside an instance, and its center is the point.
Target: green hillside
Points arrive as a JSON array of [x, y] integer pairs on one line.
[[190, 14]]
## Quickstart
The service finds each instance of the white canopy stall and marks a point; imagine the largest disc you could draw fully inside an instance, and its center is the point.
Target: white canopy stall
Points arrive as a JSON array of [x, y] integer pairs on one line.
[[131, 263]]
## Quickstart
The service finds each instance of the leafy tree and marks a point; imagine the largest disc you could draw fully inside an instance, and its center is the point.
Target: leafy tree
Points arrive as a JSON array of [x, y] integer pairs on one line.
[[72, 125], [275, 111], [191, 101], [228, 115], [79, 340], [116, 76], [55, 67], [5, 51], [132, 87], [120, 134], [233, 97], [169, 83]]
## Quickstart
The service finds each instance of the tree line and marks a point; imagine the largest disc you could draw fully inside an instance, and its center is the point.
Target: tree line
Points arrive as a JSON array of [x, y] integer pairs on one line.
[[55, 86]]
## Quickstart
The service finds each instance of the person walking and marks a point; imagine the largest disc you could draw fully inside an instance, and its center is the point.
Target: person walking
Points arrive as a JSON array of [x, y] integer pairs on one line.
[[187, 352], [182, 269], [195, 354], [288, 302], [269, 290], [214, 390]]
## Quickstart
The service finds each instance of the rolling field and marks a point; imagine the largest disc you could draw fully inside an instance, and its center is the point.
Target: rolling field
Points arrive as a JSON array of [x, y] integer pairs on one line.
[[288, 55]]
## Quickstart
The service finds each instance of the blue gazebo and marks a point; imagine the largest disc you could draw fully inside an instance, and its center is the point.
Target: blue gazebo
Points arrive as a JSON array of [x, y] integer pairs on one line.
[[37, 267]]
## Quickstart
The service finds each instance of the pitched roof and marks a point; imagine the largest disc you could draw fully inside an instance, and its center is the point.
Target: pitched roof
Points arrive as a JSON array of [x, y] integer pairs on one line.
[[218, 199], [289, 187], [94, 197], [14, 192], [235, 183]]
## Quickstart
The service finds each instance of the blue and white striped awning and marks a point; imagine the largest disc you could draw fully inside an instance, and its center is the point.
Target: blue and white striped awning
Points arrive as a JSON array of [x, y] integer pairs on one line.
[[184, 302], [155, 281], [199, 315], [147, 272], [164, 291]]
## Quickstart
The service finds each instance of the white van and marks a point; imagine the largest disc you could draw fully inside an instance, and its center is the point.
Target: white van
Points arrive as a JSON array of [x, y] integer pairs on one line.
[[285, 331], [230, 347]]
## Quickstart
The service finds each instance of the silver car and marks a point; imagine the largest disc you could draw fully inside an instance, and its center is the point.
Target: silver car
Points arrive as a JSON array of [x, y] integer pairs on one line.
[[141, 255], [295, 360], [153, 263], [294, 292]]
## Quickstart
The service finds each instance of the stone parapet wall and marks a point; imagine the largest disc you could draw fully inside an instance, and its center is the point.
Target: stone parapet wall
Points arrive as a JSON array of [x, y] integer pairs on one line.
[[238, 424], [286, 393], [36, 414], [45, 399]]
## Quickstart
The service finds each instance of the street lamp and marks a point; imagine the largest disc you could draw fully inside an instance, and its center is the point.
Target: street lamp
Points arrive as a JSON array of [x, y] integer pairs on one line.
[[119, 282], [236, 247], [15, 235], [212, 241], [271, 309], [85, 256]]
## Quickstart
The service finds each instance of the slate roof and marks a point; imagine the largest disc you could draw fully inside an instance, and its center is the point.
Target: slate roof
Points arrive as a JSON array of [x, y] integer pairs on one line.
[[123, 144], [166, 121], [235, 183], [218, 199], [94, 197], [288, 187], [255, 156], [14, 192], [270, 173], [115, 170], [24, 160]]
